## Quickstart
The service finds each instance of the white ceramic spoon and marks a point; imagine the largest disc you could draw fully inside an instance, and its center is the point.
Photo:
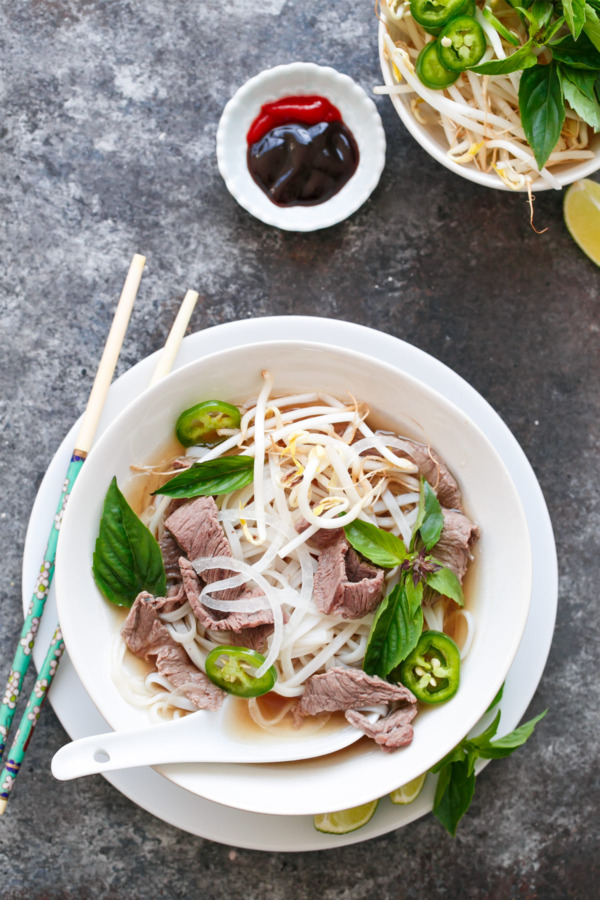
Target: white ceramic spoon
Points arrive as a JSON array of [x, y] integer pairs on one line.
[[195, 738]]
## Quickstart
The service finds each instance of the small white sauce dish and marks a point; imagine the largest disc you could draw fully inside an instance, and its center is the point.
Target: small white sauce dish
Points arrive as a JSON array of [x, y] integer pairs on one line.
[[358, 112]]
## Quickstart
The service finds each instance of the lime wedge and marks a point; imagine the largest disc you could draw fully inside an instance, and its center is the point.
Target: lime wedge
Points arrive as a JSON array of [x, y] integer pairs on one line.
[[346, 819], [409, 791], [582, 216]]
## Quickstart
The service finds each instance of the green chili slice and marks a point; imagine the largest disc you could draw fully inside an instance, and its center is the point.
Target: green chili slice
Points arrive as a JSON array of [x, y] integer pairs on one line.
[[233, 669], [435, 13], [431, 71], [432, 670], [200, 423], [461, 44]]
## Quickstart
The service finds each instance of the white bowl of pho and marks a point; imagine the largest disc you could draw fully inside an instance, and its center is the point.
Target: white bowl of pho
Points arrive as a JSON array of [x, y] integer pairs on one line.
[[347, 534], [505, 108]]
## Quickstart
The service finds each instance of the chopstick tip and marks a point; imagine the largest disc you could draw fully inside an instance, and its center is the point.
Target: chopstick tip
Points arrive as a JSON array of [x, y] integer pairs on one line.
[[3, 803]]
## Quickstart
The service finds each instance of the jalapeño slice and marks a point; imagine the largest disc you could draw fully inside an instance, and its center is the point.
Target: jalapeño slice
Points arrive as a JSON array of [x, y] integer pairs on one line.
[[468, 9], [432, 670], [200, 423], [461, 44], [431, 71], [435, 13], [234, 670]]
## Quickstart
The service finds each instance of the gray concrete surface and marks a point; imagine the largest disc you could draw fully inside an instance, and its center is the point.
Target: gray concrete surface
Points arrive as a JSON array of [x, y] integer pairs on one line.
[[107, 132]]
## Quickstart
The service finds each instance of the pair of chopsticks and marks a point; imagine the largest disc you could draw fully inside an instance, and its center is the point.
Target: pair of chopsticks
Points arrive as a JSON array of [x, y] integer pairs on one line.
[[83, 445]]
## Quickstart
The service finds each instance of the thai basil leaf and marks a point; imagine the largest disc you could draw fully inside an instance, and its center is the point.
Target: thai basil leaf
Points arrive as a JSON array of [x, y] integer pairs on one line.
[[496, 699], [455, 755], [500, 28], [574, 11], [587, 109], [483, 739], [582, 79], [521, 59], [582, 54], [430, 514], [445, 582], [396, 629], [456, 782], [205, 479], [552, 29], [542, 109], [379, 546], [506, 745], [538, 14], [592, 26], [454, 792], [127, 558]]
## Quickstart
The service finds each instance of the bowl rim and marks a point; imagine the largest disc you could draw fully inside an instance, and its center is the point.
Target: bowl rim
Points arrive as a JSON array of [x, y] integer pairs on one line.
[[421, 134], [358, 112], [73, 643]]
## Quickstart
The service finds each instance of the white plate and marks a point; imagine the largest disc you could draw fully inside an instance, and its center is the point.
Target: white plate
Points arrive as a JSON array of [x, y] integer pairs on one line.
[[359, 113], [150, 790]]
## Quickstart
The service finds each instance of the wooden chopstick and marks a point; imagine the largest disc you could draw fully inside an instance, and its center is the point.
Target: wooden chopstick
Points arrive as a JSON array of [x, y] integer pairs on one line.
[[173, 342], [56, 648], [106, 368]]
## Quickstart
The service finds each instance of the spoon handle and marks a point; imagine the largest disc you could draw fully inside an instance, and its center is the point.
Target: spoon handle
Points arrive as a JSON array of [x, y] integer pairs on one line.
[[144, 747]]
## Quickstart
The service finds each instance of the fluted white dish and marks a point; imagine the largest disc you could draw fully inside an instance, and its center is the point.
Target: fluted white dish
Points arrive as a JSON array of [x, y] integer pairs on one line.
[[359, 113]]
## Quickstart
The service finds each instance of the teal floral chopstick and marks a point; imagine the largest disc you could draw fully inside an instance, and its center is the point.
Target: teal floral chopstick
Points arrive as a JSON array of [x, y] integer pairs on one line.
[[83, 443], [22, 656], [49, 666], [30, 717]]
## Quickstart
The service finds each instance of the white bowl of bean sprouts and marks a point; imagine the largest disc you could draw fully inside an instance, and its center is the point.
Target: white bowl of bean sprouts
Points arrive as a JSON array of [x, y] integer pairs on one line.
[[309, 413], [473, 127]]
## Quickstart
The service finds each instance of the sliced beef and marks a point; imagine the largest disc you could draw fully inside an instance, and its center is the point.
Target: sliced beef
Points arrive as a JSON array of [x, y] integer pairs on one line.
[[171, 551], [391, 732], [321, 538], [148, 638], [344, 688], [432, 468], [175, 597], [182, 462], [242, 629], [344, 583], [196, 528], [253, 636], [459, 536]]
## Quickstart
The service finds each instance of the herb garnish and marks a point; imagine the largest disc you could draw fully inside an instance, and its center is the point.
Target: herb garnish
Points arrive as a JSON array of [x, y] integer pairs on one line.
[[216, 476], [456, 782], [127, 558], [560, 48], [398, 622]]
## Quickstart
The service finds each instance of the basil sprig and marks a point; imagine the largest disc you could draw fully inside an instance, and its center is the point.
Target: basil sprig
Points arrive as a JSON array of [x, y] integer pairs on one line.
[[456, 782], [379, 546], [398, 622], [542, 107], [207, 479], [127, 558], [545, 87], [396, 628], [430, 520]]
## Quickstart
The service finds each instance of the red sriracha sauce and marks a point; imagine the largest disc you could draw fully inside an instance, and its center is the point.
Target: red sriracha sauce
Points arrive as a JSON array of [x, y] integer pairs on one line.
[[300, 152], [303, 110]]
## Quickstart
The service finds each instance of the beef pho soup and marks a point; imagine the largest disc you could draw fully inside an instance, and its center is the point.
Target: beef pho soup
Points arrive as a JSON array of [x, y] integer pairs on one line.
[[328, 551]]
